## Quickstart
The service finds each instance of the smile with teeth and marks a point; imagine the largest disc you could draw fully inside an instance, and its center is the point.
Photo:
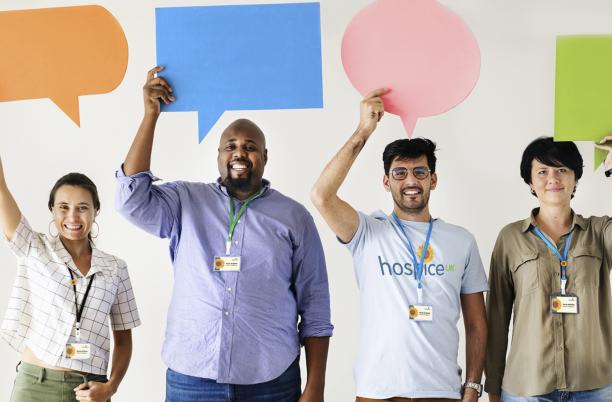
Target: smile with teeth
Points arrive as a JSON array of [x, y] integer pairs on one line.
[[239, 166], [411, 191], [73, 227]]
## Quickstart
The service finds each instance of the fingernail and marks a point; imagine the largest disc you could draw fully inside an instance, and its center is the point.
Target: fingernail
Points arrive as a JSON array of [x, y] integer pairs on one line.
[[172, 98]]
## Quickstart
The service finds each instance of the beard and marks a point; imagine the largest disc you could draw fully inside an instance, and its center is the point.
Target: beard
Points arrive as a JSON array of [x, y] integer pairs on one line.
[[413, 207], [238, 183]]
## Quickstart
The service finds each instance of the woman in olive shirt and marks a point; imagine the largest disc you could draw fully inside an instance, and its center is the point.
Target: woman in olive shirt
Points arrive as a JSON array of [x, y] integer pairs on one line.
[[553, 270]]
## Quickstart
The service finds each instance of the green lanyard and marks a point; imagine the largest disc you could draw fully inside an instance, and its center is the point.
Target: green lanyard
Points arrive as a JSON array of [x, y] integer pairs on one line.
[[235, 217]]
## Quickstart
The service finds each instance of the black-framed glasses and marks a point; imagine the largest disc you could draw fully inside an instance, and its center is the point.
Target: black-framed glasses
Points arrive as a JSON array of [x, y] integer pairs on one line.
[[400, 172]]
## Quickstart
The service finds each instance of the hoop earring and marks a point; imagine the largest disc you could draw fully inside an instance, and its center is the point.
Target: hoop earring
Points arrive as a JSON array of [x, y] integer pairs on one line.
[[533, 193], [51, 234], [97, 232]]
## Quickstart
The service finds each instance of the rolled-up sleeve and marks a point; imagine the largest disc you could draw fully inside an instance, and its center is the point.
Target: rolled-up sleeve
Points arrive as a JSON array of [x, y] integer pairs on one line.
[[311, 284], [500, 301], [153, 208]]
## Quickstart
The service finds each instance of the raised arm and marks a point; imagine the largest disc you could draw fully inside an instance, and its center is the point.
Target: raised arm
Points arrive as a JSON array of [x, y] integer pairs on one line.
[[340, 215], [9, 211], [156, 89]]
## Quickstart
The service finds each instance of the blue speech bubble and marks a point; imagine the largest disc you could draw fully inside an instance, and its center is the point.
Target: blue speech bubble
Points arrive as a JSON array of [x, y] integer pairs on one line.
[[245, 57]]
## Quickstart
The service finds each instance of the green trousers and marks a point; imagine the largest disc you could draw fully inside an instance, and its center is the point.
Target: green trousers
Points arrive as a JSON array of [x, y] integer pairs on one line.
[[37, 384]]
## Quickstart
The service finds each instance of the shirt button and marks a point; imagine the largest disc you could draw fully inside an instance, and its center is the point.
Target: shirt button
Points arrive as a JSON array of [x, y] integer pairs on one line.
[[226, 312], [556, 274], [229, 289], [560, 347], [236, 242], [238, 221]]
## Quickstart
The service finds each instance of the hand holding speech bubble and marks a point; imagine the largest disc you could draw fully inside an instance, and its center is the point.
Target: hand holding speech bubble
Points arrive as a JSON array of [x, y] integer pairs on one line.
[[583, 90], [244, 57], [60, 53], [419, 49]]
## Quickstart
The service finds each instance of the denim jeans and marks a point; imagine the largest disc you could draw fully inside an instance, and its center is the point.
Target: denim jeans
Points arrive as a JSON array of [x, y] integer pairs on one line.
[[185, 388], [603, 394]]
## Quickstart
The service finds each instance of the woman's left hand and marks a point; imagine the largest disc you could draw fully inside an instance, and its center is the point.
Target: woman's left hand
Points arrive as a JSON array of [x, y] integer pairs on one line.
[[608, 149], [95, 392]]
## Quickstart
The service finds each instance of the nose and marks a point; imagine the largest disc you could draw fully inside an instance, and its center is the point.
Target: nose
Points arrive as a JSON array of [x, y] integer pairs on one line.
[[553, 176]]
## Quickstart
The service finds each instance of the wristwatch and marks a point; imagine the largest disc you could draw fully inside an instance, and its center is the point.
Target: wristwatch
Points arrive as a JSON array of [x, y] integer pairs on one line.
[[473, 385], [608, 172]]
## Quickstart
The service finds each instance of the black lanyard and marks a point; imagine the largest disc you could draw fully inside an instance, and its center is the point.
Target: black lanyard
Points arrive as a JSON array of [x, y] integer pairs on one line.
[[79, 310]]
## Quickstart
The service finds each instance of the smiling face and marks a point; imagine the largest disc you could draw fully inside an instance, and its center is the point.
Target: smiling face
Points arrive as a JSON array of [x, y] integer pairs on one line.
[[552, 185], [242, 158], [73, 212], [410, 195]]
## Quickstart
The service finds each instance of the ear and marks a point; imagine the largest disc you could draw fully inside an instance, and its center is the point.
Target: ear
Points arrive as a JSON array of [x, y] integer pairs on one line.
[[386, 182], [434, 181], [265, 155]]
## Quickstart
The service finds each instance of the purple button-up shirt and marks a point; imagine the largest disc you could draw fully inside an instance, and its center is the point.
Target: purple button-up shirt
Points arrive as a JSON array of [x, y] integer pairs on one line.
[[233, 327]]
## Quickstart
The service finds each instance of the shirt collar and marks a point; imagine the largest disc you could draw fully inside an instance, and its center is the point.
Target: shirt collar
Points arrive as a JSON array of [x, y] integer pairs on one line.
[[530, 222], [66, 258], [265, 187]]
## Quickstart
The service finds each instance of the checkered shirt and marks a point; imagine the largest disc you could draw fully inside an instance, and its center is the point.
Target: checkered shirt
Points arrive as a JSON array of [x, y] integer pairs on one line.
[[41, 313]]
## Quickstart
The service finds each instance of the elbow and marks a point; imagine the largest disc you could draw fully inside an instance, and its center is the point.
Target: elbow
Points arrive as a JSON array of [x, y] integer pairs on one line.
[[319, 197]]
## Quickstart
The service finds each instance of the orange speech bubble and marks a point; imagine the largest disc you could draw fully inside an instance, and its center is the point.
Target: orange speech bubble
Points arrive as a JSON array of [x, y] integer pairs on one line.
[[60, 53]]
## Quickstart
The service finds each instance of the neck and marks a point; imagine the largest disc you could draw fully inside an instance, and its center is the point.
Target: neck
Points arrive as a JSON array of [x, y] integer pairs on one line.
[[416, 216], [555, 215], [244, 194], [77, 248]]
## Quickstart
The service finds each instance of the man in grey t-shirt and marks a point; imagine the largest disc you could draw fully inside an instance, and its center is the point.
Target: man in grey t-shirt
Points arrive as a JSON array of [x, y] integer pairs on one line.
[[415, 275]]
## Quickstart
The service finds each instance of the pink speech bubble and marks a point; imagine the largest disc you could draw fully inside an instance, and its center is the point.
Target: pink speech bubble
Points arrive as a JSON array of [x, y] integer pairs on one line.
[[420, 49]]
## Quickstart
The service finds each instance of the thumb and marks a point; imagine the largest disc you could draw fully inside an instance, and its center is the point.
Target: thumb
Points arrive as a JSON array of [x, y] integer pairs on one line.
[[80, 387]]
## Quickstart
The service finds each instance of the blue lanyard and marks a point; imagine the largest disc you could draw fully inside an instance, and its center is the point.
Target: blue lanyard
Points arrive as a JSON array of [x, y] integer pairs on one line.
[[418, 265], [562, 258]]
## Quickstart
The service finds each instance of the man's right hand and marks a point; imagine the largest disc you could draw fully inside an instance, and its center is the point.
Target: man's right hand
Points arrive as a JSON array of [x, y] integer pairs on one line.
[[372, 110], [156, 89]]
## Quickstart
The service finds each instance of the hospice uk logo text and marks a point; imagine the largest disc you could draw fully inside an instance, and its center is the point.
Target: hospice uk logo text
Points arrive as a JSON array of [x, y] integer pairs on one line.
[[394, 268]]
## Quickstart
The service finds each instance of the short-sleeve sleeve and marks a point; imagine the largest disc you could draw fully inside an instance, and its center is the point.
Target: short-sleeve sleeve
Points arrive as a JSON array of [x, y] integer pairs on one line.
[[21, 241], [124, 313], [474, 279]]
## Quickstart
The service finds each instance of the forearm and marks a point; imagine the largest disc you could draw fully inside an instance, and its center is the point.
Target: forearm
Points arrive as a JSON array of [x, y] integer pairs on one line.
[[476, 346], [9, 211], [138, 158], [335, 172], [316, 362], [122, 354]]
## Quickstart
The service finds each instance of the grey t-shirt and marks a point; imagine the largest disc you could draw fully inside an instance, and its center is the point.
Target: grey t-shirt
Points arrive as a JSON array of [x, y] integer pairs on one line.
[[399, 357]]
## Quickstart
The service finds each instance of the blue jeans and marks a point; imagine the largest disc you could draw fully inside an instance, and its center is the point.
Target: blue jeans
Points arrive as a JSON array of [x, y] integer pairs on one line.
[[603, 394], [185, 388]]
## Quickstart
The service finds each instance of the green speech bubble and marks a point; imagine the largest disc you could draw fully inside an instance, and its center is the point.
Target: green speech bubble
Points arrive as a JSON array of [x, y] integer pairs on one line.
[[583, 89]]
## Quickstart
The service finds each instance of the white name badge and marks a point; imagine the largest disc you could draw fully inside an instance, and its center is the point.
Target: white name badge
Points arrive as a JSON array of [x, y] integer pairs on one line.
[[563, 304], [78, 351], [227, 263], [420, 312]]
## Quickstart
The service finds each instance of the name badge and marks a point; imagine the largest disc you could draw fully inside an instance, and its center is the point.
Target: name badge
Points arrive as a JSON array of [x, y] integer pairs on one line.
[[420, 312], [227, 263], [563, 304], [78, 351]]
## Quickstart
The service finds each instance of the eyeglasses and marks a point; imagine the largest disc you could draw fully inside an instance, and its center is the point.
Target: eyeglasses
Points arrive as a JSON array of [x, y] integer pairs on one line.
[[419, 172]]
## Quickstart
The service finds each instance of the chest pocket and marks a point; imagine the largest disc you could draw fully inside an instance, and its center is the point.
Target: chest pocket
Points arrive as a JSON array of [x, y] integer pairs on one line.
[[525, 273], [584, 267]]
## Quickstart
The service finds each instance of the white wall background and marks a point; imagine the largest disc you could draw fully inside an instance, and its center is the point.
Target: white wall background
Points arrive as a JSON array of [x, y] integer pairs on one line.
[[480, 145]]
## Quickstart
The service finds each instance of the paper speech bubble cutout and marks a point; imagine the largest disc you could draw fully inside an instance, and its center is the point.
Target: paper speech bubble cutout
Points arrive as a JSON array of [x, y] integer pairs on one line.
[[61, 54], [583, 90], [245, 57], [419, 49]]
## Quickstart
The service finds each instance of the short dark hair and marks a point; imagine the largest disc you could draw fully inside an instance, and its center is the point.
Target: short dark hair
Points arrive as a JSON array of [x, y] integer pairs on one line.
[[545, 150], [410, 149], [79, 180]]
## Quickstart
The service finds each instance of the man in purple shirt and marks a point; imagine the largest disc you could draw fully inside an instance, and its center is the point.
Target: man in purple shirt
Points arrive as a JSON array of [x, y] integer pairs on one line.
[[247, 261]]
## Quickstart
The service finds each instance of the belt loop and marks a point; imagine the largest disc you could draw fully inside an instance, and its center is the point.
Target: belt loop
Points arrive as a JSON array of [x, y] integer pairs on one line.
[[17, 367], [41, 375]]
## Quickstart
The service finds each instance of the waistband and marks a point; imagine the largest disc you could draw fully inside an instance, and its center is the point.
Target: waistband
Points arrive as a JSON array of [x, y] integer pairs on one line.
[[45, 374]]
